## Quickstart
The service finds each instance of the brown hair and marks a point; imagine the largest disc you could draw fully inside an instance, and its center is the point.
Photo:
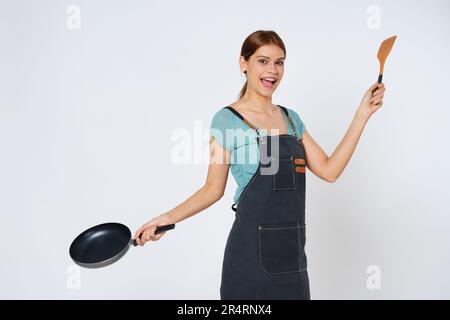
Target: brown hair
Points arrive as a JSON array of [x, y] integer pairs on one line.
[[256, 40]]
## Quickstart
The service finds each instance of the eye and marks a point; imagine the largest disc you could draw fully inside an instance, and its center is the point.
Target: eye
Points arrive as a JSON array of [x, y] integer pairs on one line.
[[261, 60], [281, 63]]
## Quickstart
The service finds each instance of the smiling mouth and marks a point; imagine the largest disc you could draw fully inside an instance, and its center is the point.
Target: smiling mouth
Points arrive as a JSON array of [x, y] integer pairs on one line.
[[268, 83]]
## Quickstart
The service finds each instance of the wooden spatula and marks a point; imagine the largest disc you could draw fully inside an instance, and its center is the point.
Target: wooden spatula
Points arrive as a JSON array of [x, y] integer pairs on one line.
[[383, 52]]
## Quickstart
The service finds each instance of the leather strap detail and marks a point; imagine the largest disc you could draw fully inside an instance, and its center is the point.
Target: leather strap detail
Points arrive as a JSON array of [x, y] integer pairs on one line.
[[300, 169]]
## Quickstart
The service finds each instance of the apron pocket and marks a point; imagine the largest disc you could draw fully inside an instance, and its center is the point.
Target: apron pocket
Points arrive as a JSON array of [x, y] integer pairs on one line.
[[284, 178], [281, 249]]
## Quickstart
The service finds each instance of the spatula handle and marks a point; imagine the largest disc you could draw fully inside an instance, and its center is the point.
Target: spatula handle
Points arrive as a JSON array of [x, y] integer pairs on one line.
[[380, 78]]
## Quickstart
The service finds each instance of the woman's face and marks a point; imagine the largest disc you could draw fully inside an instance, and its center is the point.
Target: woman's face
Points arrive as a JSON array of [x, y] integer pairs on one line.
[[265, 69]]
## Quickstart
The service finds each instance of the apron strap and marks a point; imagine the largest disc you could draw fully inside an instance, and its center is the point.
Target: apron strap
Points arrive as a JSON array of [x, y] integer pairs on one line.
[[256, 129], [243, 119], [291, 122], [233, 206]]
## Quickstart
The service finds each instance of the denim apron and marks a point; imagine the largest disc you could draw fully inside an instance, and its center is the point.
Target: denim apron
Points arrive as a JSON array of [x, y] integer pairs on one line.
[[264, 255]]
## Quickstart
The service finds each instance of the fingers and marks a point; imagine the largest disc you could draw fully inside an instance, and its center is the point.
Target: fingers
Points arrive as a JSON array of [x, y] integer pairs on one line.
[[148, 235], [159, 235], [379, 90], [145, 236], [377, 104], [138, 234], [374, 86], [376, 99], [378, 94], [374, 103]]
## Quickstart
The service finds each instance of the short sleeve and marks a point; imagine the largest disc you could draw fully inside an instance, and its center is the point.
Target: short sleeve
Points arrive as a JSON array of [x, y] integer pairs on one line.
[[221, 128], [297, 122]]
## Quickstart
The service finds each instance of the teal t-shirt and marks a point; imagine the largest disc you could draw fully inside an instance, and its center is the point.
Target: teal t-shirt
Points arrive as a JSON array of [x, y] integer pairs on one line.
[[236, 136]]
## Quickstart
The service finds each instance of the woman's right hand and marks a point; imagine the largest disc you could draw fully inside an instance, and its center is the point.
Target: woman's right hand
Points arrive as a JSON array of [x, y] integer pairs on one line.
[[147, 231]]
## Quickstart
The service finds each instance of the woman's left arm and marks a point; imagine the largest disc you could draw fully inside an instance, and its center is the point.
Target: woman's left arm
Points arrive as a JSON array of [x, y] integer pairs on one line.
[[330, 168]]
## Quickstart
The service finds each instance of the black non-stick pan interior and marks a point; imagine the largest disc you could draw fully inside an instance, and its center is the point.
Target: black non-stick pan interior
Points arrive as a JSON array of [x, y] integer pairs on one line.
[[95, 246]]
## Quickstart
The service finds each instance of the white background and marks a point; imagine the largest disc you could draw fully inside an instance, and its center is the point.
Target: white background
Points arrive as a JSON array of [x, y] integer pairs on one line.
[[87, 118]]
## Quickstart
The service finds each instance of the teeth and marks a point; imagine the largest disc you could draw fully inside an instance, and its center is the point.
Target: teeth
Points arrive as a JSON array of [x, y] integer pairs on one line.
[[270, 79]]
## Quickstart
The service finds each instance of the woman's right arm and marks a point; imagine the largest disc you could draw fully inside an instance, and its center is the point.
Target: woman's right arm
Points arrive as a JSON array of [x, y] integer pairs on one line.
[[209, 193]]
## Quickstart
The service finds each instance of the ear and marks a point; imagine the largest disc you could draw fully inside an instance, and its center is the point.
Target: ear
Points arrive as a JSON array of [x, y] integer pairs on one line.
[[242, 63]]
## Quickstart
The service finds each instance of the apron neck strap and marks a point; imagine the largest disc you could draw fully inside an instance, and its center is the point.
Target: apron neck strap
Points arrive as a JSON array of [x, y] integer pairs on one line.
[[256, 129], [291, 122], [243, 119]]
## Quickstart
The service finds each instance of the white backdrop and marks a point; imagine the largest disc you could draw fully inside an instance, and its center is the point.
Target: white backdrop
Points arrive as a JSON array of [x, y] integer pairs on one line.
[[93, 95]]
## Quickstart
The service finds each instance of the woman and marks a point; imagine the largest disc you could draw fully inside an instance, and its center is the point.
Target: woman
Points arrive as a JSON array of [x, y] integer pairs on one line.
[[264, 255]]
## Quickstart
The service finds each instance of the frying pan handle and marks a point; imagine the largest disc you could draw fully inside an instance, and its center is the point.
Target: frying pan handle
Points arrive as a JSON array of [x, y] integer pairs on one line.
[[159, 229]]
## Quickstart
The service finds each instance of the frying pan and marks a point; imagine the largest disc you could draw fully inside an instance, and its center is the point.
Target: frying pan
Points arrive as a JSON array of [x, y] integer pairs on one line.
[[104, 244]]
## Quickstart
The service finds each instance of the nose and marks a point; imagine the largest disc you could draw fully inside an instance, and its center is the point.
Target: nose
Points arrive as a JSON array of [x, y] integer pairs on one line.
[[272, 69]]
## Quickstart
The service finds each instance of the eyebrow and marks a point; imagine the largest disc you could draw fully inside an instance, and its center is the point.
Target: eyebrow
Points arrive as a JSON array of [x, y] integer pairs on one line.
[[282, 58]]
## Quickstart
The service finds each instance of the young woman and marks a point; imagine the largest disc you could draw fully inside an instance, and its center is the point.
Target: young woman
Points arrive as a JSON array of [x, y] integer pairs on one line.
[[264, 255]]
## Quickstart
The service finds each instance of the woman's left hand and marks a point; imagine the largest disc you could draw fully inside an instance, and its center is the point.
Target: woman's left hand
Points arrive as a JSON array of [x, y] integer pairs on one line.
[[372, 100]]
